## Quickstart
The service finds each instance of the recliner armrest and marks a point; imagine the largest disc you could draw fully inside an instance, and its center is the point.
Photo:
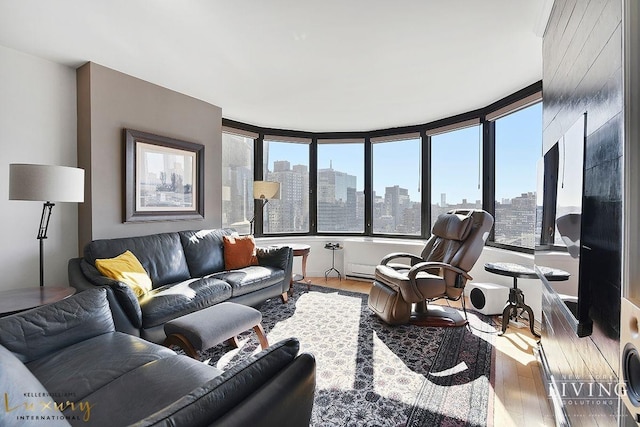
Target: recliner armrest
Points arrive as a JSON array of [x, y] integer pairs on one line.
[[428, 265], [413, 258]]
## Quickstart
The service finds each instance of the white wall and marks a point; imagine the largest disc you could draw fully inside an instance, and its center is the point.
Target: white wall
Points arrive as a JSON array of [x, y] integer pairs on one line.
[[37, 125]]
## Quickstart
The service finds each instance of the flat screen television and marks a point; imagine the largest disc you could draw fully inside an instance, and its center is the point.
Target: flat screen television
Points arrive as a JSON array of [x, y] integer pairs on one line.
[[559, 223]]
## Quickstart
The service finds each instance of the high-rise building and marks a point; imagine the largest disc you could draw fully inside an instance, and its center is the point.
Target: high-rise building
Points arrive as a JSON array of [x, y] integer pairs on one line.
[[290, 213], [337, 204]]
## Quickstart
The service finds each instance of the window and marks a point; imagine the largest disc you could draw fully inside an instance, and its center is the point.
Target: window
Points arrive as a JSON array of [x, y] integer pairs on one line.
[[395, 175], [237, 181], [518, 139], [396, 186], [455, 171], [287, 163], [340, 204]]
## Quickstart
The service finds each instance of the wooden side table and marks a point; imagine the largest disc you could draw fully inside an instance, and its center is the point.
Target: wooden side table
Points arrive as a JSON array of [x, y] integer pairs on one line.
[[16, 300], [303, 251]]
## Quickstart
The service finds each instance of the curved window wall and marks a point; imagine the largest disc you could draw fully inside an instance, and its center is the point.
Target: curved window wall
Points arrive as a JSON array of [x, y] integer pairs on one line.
[[380, 183]]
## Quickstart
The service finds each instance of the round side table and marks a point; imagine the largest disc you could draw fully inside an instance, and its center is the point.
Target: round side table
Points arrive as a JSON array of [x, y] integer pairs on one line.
[[16, 300], [333, 247], [516, 296]]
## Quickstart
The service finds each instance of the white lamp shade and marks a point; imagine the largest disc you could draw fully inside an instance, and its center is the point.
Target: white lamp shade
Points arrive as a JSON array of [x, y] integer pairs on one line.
[[46, 183], [266, 190]]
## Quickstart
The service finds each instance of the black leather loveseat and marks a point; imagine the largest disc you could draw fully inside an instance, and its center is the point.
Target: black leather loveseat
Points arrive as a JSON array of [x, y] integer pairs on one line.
[[64, 363], [187, 271]]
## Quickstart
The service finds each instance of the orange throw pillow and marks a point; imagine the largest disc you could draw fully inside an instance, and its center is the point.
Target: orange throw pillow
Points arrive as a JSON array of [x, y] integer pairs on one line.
[[239, 252]]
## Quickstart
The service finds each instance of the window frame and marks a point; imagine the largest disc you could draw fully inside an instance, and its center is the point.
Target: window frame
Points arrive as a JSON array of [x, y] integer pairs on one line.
[[485, 117], [317, 143]]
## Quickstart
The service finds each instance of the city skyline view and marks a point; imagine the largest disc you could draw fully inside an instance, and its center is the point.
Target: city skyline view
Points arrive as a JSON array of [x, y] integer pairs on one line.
[[519, 137]]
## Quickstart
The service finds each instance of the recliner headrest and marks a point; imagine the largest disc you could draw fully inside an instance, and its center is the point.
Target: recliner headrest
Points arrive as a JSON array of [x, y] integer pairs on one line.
[[452, 226]]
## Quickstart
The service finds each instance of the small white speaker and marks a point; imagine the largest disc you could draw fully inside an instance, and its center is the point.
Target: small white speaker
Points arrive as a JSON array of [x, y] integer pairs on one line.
[[487, 298], [630, 357]]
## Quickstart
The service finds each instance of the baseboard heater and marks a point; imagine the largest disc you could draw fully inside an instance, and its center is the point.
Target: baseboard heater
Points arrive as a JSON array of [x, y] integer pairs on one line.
[[360, 271]]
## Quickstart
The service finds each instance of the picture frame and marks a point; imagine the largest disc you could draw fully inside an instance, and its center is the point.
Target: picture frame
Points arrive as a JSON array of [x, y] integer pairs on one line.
[[164, 178]]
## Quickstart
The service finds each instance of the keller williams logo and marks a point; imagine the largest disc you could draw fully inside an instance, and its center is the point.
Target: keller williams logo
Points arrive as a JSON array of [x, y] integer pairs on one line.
[[45, 408]]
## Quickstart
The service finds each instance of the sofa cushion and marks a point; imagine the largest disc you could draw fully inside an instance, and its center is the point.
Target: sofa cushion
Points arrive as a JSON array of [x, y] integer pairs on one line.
[[20, 389], [127, 269], [204, 251], [86, 366], [161, 382], [161, 255], [239, 252], [249, 279], [172, 301], [77, 318]]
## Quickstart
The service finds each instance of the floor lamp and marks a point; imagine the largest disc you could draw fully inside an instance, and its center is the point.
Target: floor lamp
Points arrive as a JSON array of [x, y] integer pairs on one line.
[[265, 191], [45, 183]]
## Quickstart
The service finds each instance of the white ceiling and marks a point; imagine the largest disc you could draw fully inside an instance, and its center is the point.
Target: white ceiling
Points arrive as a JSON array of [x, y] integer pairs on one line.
[[324, 65]]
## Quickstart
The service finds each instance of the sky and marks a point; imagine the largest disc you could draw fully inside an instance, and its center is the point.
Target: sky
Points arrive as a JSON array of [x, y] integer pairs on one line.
[[455, 160]]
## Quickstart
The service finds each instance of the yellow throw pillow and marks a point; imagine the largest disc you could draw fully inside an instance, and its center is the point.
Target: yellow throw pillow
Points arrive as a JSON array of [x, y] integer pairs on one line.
[[127, 269]]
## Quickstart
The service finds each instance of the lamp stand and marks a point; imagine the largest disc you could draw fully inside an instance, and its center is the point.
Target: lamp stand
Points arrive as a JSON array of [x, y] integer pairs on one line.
[[264, 202], [42, 234]]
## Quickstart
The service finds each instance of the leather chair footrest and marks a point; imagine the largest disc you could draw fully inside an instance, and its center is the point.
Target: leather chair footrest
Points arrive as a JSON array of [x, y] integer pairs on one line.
[[211, 326]]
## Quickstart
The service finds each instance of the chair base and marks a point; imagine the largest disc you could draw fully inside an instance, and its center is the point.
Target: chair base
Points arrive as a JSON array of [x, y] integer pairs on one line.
[[387, 303], [438, 316]]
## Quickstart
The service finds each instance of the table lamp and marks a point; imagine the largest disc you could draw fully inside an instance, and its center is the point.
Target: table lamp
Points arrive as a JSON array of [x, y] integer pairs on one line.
[[265, 191], [45, 183]]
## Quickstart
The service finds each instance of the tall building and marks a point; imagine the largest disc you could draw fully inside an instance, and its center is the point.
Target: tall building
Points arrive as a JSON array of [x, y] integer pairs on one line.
[[290, 213], [337, 204]]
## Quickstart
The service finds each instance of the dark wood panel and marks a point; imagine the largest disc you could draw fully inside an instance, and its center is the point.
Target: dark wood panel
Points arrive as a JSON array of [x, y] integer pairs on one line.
[[594, 33], [582, 71]]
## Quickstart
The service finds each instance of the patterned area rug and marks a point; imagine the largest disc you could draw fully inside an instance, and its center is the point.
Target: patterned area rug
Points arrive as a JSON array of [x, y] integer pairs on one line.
[[373, 374]]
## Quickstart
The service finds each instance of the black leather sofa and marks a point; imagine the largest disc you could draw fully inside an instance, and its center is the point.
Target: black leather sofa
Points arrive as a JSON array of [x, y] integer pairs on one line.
[[187, 273], [64, 363]]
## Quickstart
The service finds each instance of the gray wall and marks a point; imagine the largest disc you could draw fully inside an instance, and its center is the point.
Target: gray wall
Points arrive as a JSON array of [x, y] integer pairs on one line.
[[108, 102], [582, 71], [37, 125]]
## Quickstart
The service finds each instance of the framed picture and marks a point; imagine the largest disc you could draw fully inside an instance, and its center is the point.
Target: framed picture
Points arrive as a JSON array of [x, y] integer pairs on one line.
[[164, 178]]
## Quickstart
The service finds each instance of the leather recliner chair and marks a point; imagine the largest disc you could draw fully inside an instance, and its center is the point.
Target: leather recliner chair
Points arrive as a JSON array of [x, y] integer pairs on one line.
[[401, 291]]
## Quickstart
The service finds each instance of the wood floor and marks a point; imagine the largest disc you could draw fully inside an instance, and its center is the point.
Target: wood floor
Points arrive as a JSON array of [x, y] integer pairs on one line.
[[520, 398]]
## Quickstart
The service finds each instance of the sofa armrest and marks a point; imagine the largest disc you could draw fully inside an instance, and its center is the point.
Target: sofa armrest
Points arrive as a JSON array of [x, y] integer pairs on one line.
[[257, 382], [278, 257], [286, 400], [22, 393], [83, 276]]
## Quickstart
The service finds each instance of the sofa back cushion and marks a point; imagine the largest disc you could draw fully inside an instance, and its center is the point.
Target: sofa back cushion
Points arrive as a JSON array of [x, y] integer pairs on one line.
[[161, 255], [36, 333], [204, 250]]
